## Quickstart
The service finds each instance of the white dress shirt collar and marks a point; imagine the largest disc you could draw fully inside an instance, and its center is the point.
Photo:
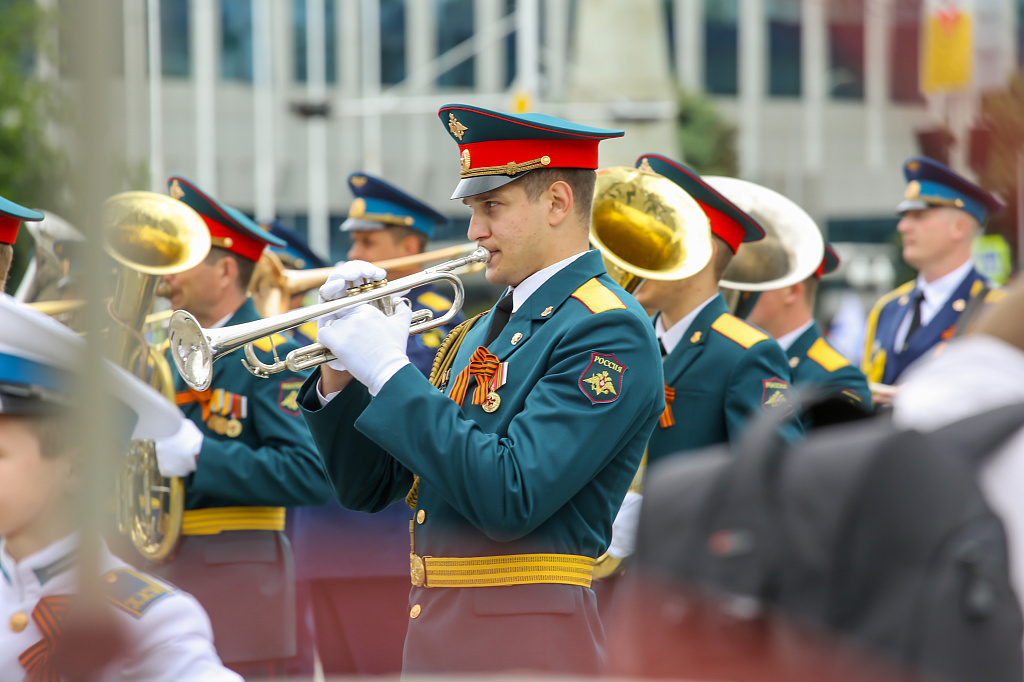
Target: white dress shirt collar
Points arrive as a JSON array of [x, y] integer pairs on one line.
[[529, 285], [787, 340], [670, 338]]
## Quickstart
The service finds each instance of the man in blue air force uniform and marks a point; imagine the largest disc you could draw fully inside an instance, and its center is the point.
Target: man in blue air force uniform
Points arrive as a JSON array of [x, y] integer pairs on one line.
[[517, 466], [355, 563], [787, 314], [941, 213], [720, 372], [255, 458]]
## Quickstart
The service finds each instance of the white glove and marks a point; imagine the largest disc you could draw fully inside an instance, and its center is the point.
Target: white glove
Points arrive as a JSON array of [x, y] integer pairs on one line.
[[346, 274], [371, 345], [176, 454], [624, 527]]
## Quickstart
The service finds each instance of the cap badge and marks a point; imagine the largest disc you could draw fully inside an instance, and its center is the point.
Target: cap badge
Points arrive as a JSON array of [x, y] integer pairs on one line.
[[465, 159], [176, 191], [913, 190], [358, 208], [456, 128], [357, 180], [645, 167], [913, 166]]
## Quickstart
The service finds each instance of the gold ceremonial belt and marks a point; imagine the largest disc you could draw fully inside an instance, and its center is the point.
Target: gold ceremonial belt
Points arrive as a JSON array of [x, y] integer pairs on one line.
[[498, 571], [219, 519]]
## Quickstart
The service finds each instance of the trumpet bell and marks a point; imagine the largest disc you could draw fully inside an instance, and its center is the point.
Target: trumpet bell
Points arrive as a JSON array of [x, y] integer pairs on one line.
[[647, 227], [191, 350], [791, 250], [153, 233]]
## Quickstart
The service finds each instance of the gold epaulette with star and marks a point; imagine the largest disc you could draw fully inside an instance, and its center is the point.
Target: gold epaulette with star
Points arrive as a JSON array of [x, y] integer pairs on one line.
[[995, 295], [597, 297], [265, 344], [826, 356], [735, 329], [131, 591], [433, 300]]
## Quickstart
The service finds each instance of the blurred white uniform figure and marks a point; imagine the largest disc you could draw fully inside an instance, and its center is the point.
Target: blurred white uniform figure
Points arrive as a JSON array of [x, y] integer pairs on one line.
[[168, 635], [970, 376]]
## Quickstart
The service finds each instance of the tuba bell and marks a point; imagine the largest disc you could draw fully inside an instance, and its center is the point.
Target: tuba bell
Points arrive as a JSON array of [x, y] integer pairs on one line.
[[149, 235], [647, 227], [790, 252]]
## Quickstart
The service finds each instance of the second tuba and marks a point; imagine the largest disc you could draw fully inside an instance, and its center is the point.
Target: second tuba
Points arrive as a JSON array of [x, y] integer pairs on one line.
[[149, 235]]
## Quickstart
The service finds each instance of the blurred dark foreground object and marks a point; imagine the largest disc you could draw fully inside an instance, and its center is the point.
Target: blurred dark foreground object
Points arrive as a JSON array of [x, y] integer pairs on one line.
[[864, 552]]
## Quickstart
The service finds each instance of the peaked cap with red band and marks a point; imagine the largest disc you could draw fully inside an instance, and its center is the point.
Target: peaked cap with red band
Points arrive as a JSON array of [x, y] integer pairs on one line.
[[229, 228], [496, 148], [11, 215], [829, 262], [728, 221]]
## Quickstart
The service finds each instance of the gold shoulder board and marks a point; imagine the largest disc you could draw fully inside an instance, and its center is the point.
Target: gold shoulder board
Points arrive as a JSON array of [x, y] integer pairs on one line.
[[597, 297], [433, 300], [826, 356], [739, 331], [131, 591]]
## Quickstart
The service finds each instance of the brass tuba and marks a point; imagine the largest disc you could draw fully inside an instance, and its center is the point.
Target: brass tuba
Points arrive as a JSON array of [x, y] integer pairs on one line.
[[790, 252], [149, 235], [647, 227]]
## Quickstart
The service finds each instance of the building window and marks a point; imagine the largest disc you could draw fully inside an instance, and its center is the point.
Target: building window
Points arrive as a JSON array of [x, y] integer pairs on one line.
[[175, 59], [454, 25], [905, 51], [330, 40], [784, 48], [236, 40], [392, 41], [720, 46], [846, 49]]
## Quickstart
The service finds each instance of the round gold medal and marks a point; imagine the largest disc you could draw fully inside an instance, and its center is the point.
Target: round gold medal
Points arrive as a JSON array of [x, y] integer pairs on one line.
[[217, 424], [492, 402], [233, 428]]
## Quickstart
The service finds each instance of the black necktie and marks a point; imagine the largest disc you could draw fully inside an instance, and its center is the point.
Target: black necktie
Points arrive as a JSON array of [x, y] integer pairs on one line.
[[501, 313], [915, 321], [661, 344]]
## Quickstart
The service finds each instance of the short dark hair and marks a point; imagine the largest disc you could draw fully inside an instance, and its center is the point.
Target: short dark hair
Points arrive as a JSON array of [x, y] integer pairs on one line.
[[580, 180], [400, 232], [723, 256], [245, 266], [6, 256]]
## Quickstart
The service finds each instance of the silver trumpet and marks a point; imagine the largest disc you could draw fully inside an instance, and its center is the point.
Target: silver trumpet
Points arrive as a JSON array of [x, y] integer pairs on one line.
[[195, 349]]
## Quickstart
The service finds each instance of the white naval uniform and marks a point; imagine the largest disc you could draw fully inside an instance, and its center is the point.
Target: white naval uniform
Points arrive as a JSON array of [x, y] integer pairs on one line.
[[168, 637]]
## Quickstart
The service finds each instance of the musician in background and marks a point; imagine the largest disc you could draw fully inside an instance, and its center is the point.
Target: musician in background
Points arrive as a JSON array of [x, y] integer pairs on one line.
[[296, 255], [940, 215], [355, 565], [255, 457], [141, 628], [788, 315], [11, 215], [515, 469]]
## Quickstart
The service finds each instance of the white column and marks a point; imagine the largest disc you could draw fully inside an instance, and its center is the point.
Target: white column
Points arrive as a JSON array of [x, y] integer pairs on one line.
[[134, 32], [877, 34], [753, 67], [556, 49], [157, 173], [420, 50], [489, 66], [688, 28], [316, 93], [528, 50], [264, 201], [349, 146], [204, 23], [814, 82], [370, 84]]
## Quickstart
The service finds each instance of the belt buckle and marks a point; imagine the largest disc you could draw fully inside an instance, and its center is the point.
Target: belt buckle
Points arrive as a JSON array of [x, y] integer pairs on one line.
[[417, 570]]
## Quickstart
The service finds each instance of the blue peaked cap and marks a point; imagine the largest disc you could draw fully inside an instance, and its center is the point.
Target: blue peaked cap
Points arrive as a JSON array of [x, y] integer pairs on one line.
[[930, 184], [296, 247], [379, 205]]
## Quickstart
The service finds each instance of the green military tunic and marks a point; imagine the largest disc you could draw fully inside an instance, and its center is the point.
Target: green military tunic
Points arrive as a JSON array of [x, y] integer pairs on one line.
[[267, 461], [724, 372], [814, 361], [544, 472]]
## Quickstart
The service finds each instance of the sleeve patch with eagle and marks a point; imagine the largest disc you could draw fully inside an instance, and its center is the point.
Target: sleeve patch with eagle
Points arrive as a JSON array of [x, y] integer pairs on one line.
[[601, 381], [775, 397]]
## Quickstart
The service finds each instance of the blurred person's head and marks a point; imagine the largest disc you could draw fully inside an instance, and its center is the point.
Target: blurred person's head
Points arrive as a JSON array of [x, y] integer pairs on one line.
[[385, 223], [11, 216], [786, 309]]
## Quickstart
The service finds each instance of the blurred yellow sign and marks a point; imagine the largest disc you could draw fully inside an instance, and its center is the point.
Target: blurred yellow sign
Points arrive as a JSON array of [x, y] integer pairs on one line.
[[947, 47]]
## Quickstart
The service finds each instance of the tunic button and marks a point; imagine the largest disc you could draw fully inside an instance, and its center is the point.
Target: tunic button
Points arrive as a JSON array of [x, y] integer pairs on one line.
[[421, 516], [414, 612], [19, 622]]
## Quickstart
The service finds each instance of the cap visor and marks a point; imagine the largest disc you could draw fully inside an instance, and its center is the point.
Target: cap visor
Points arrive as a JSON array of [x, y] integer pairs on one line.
[[469, 187], [912, 205], [352, 224]]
